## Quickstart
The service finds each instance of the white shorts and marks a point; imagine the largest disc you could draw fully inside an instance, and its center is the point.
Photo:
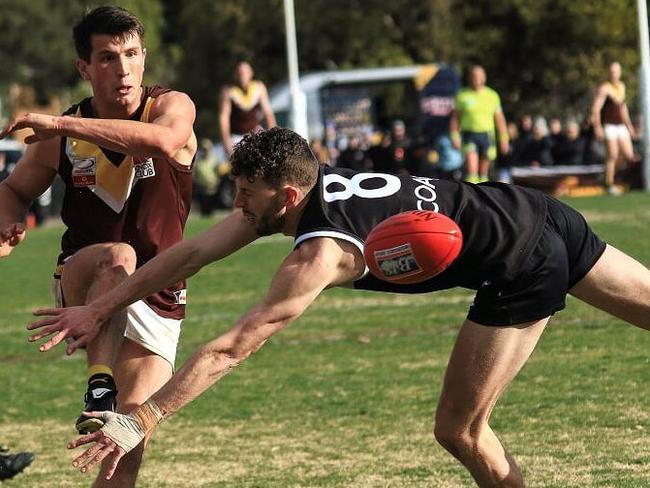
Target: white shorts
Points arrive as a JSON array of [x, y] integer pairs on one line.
[[143, 326], [616, 131]]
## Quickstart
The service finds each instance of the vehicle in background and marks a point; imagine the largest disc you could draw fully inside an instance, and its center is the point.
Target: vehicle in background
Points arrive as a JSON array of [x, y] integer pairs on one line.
[[367, 100], [11, 151]]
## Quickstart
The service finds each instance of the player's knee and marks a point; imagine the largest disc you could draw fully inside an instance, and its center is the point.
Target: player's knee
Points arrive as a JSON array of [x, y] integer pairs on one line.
[[454, 433], [452, 439], [118, 255]]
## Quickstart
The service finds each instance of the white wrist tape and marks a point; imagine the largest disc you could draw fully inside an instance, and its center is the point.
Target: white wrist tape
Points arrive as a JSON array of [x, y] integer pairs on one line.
[[124, 430], [127, 431]]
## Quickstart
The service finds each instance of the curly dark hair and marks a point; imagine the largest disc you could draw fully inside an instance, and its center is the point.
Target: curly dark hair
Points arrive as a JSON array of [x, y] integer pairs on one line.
[[277, 156], [109, 19]]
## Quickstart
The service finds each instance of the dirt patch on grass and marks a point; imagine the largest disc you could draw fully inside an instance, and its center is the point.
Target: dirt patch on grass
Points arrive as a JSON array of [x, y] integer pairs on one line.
[[635, 218], [390, 300]]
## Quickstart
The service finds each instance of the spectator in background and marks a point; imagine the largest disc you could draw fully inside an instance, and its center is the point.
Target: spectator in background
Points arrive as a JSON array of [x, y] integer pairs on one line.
[[537, 150], [556, 136], [205, 177], [392, 154], [513, 157], [571, 150], [417, 154], [517, 144], [320, 151], [353, 156], [331, 143], [400, 148], [378, 155], [476, 114], [525, 127], [368, 139], [243, 106], [611, 123], [555, 127], [449, 160], [594, 149]]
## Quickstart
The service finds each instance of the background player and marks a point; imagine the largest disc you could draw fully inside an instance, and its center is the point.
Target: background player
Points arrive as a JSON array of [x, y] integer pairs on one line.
[[477, 112], [523, 251], [611, 122], [243, 106], [125, 157]]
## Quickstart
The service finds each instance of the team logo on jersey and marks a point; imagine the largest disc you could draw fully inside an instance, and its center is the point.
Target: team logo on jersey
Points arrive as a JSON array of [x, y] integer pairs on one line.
[[397, 261], [144, 169], [84, 171], [180, 297]]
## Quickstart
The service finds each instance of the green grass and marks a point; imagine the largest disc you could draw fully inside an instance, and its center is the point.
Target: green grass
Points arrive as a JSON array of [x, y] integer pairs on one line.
[[345, 396]]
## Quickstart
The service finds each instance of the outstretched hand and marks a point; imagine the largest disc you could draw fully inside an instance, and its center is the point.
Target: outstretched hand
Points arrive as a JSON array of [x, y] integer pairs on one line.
[[10, 236], [105, 446], [80, 323], [44, 127]]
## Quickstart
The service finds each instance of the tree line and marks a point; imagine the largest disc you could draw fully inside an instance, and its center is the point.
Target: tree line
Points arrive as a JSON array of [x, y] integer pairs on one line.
[[543, 57]]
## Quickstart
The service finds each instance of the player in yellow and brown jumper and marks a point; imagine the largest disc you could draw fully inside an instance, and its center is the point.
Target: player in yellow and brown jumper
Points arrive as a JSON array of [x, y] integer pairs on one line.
[[611, 122], [125, 156], [243, 106]]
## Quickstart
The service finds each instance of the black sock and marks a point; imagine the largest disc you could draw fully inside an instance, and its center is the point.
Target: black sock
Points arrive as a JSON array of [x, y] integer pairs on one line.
[[101, 380]]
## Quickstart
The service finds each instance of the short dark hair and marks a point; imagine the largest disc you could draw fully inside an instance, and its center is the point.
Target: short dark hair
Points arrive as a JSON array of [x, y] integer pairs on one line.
[[277, 156], [240, 61], [109, 19]]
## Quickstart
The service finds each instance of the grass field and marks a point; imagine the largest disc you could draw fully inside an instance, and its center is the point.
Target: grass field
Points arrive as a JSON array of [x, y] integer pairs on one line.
[[345, 396]]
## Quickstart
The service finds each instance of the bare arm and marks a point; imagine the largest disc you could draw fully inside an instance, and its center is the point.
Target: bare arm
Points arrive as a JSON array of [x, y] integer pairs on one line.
[[180, 261], [308, 270], [225, 107], [170, 129], [454, 127], [303, 275], [502, 131], [265, 103], [31, 177], [596, 107]]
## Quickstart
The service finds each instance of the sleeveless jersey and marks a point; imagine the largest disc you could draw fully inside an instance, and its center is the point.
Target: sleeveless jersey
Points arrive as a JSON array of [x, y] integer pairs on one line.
[[110, 197], [500, 223], [245, 112], [612, 111]]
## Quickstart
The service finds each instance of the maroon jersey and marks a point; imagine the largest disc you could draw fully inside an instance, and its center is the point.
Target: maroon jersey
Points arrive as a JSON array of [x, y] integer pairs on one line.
[[112, 197], [246, 109], [612, 111]]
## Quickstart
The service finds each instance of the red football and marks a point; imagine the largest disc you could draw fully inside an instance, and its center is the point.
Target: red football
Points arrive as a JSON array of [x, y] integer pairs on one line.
[[412, 247]]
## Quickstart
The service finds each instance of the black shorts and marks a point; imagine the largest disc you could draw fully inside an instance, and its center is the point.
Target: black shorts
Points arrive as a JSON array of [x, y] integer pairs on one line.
[[477, 142], [565, 252]]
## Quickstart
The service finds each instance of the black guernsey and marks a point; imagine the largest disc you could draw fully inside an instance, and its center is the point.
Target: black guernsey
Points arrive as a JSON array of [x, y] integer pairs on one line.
[[500, 223]]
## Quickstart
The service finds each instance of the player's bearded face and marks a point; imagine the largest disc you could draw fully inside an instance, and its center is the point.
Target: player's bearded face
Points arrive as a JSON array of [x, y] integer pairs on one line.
[[262, 204], [273, 218]]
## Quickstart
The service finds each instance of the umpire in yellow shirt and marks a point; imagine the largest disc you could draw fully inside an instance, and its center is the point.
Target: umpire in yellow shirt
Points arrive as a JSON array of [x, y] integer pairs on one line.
[[473, 121]]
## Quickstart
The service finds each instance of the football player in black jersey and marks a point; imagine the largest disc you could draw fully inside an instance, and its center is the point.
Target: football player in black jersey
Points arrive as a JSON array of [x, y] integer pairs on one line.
[[522, 252]]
